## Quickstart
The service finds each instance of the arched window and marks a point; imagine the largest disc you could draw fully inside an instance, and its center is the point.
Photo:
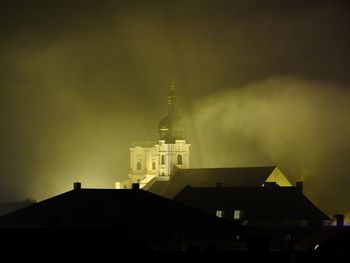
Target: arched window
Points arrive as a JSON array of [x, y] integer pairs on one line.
[[163, 159], [153, 165], [179, 159], [138, 165]]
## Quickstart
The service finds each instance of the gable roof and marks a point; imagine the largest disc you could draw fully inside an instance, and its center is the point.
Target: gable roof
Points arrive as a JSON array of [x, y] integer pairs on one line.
[[209, 177], [110, 208], [257, 203]]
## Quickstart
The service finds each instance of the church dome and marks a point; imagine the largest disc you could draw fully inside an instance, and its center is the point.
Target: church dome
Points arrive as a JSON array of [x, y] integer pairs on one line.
[[172, 127]]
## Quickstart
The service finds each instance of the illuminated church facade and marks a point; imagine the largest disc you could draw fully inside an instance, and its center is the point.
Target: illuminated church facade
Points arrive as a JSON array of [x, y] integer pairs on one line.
[[160, 160], [160, 164]]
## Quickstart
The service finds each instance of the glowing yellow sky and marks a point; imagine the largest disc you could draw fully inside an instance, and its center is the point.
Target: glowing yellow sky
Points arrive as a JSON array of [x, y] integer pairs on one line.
[[258, 84]]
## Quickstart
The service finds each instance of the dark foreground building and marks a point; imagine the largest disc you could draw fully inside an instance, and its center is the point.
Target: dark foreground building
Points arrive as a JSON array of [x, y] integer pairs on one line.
[[112, 223], [133, 225], [8, 207], [255, 206]]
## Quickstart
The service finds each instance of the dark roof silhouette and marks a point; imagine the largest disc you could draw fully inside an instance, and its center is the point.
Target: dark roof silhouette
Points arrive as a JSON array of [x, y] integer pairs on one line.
[[209, 177], [257, 203], [111, 208], [9, 207]]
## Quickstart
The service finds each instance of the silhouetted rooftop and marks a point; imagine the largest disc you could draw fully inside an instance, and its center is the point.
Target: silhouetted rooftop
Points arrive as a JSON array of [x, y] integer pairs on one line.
[[8, 207], [257, 203], [209, 177], [110, 208]]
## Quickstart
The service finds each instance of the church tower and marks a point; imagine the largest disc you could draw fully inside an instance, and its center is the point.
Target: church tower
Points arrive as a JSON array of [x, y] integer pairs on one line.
[[172, 148], [159, 161]]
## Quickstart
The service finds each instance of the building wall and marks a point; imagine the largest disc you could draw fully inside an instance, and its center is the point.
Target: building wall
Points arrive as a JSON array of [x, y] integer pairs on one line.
[[159, 161], [143, 161], [172, 156], [278, 177]]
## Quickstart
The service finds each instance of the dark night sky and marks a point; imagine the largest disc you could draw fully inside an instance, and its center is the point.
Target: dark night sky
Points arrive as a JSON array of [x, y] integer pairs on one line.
[[260, 83]]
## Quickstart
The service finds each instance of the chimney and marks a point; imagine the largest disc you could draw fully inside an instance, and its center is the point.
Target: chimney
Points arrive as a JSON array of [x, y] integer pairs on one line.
[[299, 185], [135, 186], [218, 185], [339, 220], [77, 185]]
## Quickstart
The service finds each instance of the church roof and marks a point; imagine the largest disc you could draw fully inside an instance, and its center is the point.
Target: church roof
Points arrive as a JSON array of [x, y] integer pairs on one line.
[[172, 122], [172, 127], [209, 177], [257, 203], [144, 144], [110, 208]]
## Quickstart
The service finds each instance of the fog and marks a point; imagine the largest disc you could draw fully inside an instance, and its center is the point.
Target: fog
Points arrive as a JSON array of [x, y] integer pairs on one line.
[[260, 83], [301, 126]]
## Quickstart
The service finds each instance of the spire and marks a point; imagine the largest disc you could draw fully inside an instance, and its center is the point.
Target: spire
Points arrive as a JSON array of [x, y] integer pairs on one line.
[[172, 127], [172, 99]]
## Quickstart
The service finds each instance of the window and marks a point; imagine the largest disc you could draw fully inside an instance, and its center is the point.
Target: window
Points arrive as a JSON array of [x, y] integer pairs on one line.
[[138, 165], [153, 165], [237, 214], [220, 213], [163, 159], [179, 159]]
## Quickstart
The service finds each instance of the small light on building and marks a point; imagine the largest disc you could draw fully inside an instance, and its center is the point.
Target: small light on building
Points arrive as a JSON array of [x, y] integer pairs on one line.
[[316, 247], [288, 237], [237, 214], [237, 236], [220, 213]]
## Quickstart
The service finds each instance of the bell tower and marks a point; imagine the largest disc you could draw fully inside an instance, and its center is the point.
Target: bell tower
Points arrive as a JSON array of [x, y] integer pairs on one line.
[[160, 160], [173, 149]]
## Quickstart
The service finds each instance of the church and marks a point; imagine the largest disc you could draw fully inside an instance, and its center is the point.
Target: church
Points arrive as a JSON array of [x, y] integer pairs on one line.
[[157, 167], [255, 196], [160, 161]]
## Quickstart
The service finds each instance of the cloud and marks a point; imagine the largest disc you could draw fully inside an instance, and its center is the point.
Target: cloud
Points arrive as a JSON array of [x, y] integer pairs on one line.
[[301, 126], [80, 81]]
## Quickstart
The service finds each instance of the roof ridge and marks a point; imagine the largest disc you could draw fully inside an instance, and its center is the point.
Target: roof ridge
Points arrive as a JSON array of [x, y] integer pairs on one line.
[[217, 168]]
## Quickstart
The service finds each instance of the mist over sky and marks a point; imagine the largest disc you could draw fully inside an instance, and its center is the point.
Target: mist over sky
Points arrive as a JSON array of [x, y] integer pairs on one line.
[[301, 126], [260, 83]]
